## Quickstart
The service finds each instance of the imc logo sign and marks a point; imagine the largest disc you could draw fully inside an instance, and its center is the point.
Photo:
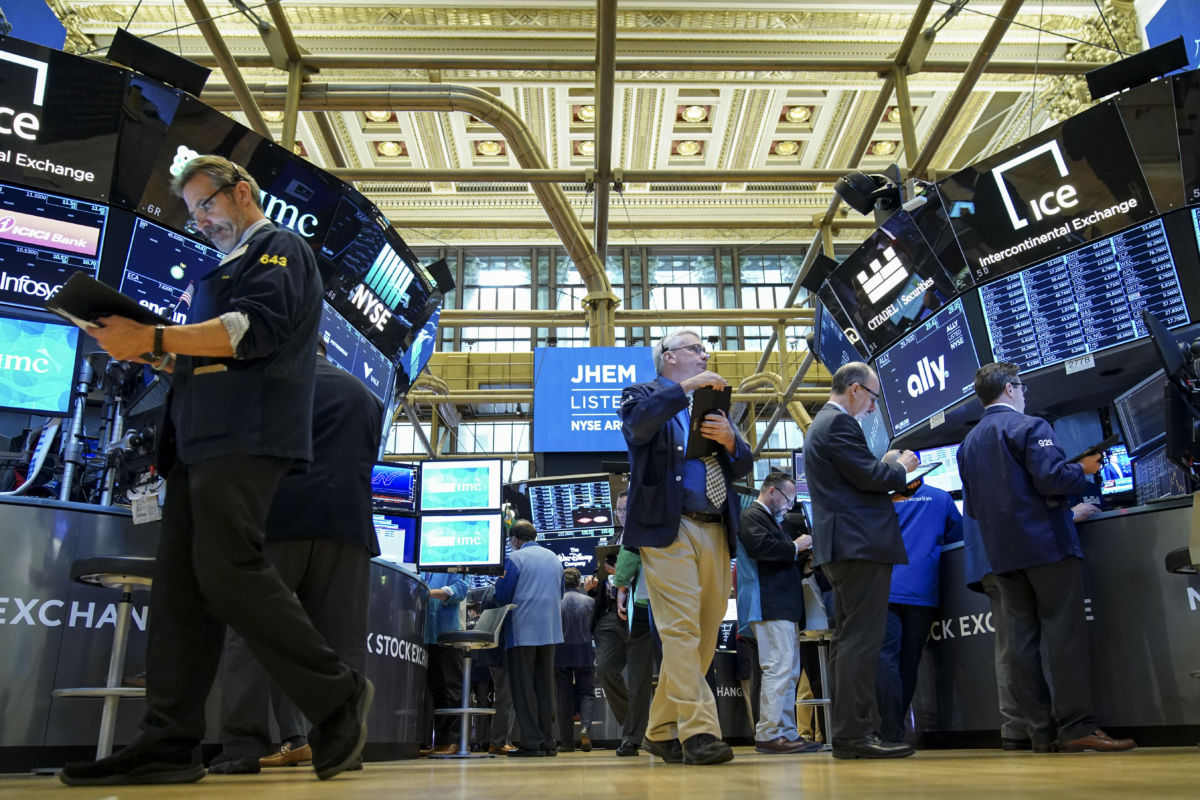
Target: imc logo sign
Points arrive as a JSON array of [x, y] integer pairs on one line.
[[577, 393]]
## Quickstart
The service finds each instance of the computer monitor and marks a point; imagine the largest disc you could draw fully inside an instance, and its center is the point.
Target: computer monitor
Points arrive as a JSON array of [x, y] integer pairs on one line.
[[1155, 477], [37, 365], [460, 542], [571, 506], [574, 551], [397, 535], [1116, 474], [393, 487], [946, 476], [348, 349], [466, 485], [161, 265], [1140, 413], [798, 474]]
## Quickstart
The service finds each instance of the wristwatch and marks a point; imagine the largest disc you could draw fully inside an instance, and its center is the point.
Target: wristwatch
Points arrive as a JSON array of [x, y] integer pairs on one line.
[[157, 352]]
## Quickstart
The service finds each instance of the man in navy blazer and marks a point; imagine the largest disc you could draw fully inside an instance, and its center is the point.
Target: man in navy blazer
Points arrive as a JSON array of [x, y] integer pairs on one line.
[[1016, 483], [685, 532], [856, 540]]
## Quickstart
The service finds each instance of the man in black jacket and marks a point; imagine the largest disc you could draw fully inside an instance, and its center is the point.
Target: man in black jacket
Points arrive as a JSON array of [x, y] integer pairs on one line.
[[320, 539], [856, 539], [771, 594]]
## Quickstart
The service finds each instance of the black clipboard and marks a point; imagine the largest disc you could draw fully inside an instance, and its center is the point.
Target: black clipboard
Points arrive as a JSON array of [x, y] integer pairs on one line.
[[83, 299], [706, 400], [1097, 448]]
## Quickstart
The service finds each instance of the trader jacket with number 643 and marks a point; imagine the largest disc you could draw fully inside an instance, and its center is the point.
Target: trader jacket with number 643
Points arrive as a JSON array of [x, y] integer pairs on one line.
[[654, 420]]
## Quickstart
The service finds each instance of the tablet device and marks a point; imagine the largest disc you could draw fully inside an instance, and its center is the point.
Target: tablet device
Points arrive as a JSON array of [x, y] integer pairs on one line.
[[920, 472], [1097, 448]]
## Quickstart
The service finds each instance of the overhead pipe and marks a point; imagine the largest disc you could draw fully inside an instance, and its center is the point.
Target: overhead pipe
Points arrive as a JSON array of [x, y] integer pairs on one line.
[[606, 49], [229, 67]]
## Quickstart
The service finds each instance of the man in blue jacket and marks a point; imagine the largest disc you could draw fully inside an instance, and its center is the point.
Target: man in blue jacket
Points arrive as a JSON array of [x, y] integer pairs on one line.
[[533, 580], [1016, 482], [928, 519], [683, 521]]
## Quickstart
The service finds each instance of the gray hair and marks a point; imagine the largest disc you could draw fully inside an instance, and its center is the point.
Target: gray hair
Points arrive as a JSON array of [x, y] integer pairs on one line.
[[848, 375], [221, 171], [664, 344]]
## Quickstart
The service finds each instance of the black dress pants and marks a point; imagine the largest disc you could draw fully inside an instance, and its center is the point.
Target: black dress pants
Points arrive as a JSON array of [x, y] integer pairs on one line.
[[531, 676], [860, 600], [211, 572]]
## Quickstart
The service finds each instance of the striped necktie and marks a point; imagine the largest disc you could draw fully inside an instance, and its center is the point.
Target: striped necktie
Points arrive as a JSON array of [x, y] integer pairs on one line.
[[714, 478]]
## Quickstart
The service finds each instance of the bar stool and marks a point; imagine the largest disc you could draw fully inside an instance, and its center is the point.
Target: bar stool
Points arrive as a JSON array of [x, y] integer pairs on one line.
[[484, 636], [819, 629], [126, 573]]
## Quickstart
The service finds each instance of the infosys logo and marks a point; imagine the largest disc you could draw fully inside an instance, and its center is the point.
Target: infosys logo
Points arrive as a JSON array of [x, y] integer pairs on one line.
[[1048, 204], [23, 284]]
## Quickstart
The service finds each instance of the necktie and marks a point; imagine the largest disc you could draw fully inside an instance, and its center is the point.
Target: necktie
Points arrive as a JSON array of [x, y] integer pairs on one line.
[[714, 479]]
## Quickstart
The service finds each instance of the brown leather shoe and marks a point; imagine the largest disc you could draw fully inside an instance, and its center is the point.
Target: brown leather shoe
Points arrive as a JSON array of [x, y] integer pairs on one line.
[[288, 757], [1097, 740], [499, 751], [444, 750], [782, 745]]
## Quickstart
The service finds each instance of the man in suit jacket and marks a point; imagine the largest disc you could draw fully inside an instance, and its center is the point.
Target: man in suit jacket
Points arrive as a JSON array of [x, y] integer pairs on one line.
[[856, 540], [1016, 483], [770, 598], [683, 520], [320, 538]]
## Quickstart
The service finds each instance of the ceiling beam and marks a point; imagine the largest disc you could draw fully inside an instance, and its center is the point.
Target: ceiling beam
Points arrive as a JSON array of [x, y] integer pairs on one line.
[[229, 67]]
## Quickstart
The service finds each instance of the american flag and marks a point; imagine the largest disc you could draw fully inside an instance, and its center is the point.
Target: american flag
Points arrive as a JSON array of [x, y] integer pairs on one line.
[[185, 299]]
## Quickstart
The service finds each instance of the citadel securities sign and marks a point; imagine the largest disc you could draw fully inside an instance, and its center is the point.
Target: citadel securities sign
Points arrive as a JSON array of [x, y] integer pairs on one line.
[[1071, 184], [576, 394]]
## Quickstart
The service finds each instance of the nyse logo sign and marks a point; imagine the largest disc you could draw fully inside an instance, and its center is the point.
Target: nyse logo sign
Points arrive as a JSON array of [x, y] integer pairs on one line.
[[883, 277], [929, 374], [1048, 204]]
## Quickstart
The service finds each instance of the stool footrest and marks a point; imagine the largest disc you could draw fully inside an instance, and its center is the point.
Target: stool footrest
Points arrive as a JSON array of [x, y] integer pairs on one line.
[[464, 711], [816, 701], [102, 691]]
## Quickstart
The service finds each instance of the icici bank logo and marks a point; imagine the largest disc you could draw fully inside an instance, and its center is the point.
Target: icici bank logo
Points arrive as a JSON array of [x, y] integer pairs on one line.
[[7, 224]]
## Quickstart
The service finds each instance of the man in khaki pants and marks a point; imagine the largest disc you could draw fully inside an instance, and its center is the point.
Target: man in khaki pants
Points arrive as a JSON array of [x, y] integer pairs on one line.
[[681, 518]]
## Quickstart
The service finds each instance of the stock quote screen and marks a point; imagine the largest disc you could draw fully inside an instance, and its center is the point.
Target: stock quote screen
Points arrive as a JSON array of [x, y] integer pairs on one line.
[[1084, 301]]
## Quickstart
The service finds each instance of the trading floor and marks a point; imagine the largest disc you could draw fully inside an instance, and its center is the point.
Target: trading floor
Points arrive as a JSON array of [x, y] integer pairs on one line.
[[933, 774]]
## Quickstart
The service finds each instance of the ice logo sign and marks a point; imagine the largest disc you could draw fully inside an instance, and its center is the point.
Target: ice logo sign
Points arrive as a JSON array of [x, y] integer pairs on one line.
[[883, 277], [1046, 205]]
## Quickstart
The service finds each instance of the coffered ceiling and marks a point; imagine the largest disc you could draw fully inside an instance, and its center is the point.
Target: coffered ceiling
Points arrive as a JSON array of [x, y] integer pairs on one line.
[[730, 118]]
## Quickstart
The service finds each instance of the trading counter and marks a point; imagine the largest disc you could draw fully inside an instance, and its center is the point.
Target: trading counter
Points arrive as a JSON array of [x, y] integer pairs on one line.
[[1144, 626], [57, 634]]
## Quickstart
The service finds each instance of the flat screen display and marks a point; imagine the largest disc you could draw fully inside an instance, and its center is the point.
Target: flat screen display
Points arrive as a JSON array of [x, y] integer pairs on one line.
[[574, 551], [393, 486], [833, 348], [464, 541], [928, 370], [875, 428], [460, 485], [161, 266], [44, 240], [37, 366], [891, 283], [946, 476], [1154, 476], [571, 506], [1116, 472], [347, 349], [397, 537], [832, 306], [414, 360], [798, 474], [1141, 413], [1084, 301], [370, 282]]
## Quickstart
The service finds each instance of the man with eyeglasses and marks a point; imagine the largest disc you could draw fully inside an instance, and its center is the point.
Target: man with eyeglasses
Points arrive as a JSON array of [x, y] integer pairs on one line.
[[1016, 486], [856, 540], [770, 600], [681, 517], [239, 417]]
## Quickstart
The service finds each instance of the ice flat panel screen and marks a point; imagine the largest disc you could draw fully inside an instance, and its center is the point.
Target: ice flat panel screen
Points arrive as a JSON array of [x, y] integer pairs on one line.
[[1084, 301], [161, 265], [44, 240], [459, 540], [460, 485], [579, 505], [928, 370]]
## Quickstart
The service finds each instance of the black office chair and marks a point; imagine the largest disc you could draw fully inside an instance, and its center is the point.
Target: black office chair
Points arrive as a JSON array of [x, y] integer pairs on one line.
[[484, 636], [127, 573]]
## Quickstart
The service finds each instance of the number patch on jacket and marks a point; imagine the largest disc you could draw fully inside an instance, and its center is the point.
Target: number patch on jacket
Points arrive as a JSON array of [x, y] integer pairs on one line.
[[279, 260]]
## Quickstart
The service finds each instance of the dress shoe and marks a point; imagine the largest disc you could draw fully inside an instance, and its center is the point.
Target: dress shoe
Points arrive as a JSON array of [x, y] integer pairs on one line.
[[1045, 747], [806, 745], [1015, 744], [288, 756], [522, 752], [443, 750], [782, 744], [704, 748], [1097, 740], [870, 746], [585, 741], [669, 750], [137, 764], [234, 765], [627, 748], [501, 750], [565, 748], [337, 741]]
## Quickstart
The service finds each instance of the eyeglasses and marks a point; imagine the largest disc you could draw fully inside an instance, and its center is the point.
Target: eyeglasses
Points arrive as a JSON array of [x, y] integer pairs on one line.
[[1025, 386], [791, 501], [698, 349], [870, 391], [191, 226]]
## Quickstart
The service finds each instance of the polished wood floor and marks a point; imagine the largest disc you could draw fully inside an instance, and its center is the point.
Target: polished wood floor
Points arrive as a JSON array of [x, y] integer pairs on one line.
[[1155, 773]]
